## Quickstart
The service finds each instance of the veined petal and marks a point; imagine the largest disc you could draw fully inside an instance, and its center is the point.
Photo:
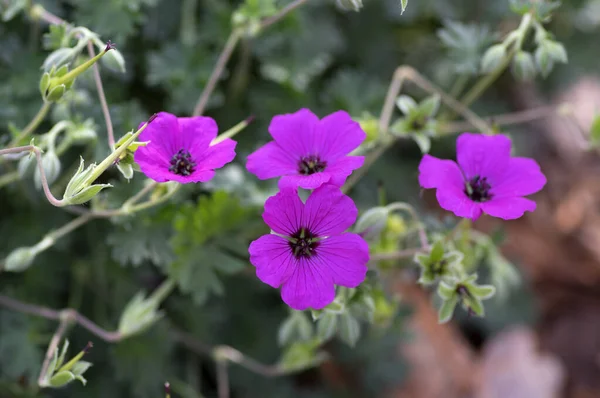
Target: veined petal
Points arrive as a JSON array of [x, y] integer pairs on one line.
[[196, 133], [341, 169], [483, 155], [344, 257], [283, 212], [337, 135], [522, 177], [311, 181], [328, 211], [508, 208], [163, 134], [215, 156], [271, 161], [295, 132], [273, 259], [308, 287], [456, 201], [435, 173]]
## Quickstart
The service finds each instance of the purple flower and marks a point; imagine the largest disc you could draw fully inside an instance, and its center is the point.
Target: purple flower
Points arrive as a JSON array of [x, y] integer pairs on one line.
[[180, 149], [309, 253], [308, 152], [486, 179]]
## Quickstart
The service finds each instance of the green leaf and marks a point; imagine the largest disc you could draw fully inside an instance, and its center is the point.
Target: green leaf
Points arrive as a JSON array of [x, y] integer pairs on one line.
[[348, 329], [143, 238], [406, 104], [297, 327], [430, 105], [446, 291], [447, 309], [61, 379], [207, 242], [326, 326], [403, 4], [595, 130], [437, 251]]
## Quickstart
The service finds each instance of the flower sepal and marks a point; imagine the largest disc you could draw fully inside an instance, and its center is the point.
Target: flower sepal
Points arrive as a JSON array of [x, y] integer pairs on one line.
[[464, 291]]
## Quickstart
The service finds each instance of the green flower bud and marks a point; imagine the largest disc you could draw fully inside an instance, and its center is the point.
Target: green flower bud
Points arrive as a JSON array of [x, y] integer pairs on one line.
[[20, 259], [61, 379], [114, 60], [372, 222], [352, 5], [51, 167], [492, 59], [58, 58], [139, 314]]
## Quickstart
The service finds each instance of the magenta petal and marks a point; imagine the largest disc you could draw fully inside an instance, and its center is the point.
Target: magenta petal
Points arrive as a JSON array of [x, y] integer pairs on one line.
[[522, 177], [273, 259], [483, 155], [456, 201], [342, 168], [196, 133], [345, 257], [216, 156], [308, 287], [283, 212], [153, 164], [338, 135], [434, 173], [304, 181], [328, 211], [163, 134], [271, 161], [295, 132], [508, 208]]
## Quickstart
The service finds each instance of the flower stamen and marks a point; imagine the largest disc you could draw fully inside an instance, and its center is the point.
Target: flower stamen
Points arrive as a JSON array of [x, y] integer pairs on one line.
[[478, 189], [182, 163], [304, 243], [310, 165]]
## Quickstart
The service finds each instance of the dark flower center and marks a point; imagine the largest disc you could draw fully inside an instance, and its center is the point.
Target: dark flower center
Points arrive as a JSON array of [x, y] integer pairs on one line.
[[478, 189], [182, 163], [310, 165], [303, 243]]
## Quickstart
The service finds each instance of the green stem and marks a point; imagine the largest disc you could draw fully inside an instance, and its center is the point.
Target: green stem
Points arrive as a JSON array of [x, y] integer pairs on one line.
[[232, 132], [35, 122], [479, 88], [9, 178], [57, 81]]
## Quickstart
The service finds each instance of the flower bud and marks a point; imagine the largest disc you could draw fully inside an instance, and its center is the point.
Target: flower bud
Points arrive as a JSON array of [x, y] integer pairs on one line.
[[51, 167], [20, 259], [114, 61], [492, 59], [139, 314], [25, 165], [372, 222], [58, 58], [78, 190], [353, 5]]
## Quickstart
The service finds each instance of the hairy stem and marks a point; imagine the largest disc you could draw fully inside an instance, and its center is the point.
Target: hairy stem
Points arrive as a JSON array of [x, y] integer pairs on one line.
[[102, 97], [38, 155], [281, 14], [232, 41], [70, 314], [52, 347], [35, 122]]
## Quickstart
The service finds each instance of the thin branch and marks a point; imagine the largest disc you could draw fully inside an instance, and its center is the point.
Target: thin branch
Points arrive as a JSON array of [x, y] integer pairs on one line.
[[222, 378], [68, 314], [229, 353], [281, 14], [503, 120], [102, 97], [398, 255], [232, 41], [52, 347], [35, 122]]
